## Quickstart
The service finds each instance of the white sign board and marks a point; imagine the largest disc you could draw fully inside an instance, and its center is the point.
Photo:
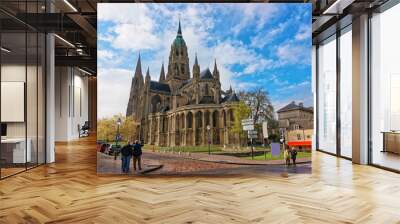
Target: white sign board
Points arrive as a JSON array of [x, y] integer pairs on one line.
[[265, 129], [252, 132], [12, 101], [252, 136], [248, 127], [247, 121]]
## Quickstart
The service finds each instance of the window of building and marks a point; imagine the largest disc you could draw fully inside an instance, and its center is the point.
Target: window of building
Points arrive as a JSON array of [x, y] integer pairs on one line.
[[22, 65], [327, 95], [385, 88], [346, 92]]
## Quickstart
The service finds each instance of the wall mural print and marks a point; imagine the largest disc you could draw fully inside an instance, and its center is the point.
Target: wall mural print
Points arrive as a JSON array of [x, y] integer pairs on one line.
[[182, 90]]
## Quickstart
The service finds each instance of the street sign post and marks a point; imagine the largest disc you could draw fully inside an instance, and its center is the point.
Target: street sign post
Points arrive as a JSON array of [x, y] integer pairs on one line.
[[248, 125], [265, 129]]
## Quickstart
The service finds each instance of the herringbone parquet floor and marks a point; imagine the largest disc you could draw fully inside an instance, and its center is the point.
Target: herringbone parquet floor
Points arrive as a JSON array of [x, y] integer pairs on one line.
[[69, 191]]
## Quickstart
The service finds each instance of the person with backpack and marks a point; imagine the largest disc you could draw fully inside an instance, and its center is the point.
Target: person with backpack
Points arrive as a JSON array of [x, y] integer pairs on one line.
[[137, 155], [126, 155], [293, 154]]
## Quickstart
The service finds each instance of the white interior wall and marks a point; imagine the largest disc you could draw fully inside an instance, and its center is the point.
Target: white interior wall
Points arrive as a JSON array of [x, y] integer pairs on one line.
[[71, 94]]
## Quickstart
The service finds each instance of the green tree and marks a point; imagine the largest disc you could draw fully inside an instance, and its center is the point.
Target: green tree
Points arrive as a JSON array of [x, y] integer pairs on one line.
[[260, 104], [241, 111], [107, 128]]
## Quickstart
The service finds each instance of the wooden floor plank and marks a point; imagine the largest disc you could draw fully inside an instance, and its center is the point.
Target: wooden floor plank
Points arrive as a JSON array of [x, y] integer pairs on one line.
[[70, 191]]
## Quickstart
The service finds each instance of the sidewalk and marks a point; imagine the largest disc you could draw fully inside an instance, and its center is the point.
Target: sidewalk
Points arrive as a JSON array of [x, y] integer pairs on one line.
[[227, 159]]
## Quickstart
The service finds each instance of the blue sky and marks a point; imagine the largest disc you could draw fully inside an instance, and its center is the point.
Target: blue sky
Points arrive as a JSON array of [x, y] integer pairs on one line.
[[255, 45]]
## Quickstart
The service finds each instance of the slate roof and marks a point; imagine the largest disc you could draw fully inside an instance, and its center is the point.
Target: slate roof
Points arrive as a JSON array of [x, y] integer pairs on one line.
[[294, 106], [157, 86], [206, 74], [231, 98]]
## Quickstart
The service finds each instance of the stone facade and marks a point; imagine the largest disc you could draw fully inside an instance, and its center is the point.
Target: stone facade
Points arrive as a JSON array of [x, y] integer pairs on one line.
[[176, 109], [294, 117], [296, 122]]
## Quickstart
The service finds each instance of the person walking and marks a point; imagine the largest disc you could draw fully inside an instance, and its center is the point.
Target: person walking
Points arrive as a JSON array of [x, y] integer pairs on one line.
[[286, 156], [126, 155], [293, 154], [137, 155]]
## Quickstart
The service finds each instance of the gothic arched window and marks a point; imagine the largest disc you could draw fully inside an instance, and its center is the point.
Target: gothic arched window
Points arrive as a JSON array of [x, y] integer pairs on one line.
[[206, 90], [182, 68]]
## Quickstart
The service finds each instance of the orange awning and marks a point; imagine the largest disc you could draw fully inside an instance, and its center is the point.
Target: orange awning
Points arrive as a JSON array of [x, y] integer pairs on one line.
[[299, 143]]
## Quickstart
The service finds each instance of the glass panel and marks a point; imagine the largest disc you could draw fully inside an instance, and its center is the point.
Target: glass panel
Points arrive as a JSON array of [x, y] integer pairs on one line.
[[385, 84], [346, 94], [13, 89], [31, 98], [41, 98], [327, 96]]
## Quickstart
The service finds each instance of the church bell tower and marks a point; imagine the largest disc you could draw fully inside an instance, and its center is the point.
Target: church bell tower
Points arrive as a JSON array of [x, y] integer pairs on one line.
[[178, 65]]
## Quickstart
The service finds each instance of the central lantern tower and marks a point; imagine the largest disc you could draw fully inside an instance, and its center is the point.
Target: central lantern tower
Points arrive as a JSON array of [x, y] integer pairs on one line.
[[178, 65]]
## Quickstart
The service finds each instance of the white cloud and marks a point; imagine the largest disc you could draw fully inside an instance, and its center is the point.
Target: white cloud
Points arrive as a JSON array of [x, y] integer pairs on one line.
[[113, 91], [291, 53], [263, 38], [104, 54], [250, 13], [133, 29], [151, 28], [304, 32]]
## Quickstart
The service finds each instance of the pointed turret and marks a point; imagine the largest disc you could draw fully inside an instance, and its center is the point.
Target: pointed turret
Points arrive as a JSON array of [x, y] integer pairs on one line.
[[196, 68], [138, 71], [162, 74], [216, 72], [136, 87], [148, 76], [179, 34]]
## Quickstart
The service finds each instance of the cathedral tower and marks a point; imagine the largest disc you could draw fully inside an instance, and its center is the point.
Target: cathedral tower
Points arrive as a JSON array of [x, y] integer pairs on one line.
[[136, 87], [178, 65]]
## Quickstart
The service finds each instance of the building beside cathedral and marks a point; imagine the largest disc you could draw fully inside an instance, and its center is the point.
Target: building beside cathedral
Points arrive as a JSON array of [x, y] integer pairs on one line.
[[178, 108]]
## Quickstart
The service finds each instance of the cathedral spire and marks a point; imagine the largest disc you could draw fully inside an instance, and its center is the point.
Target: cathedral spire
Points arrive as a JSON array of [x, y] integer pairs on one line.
[[162, 73], [138, 71], [215, 72], [148, 75], [215, 65], [195, 59], [196, 68], [179, 28]]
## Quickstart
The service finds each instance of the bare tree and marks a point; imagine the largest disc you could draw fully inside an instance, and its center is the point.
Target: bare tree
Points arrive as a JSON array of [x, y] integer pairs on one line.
[[260, 104]]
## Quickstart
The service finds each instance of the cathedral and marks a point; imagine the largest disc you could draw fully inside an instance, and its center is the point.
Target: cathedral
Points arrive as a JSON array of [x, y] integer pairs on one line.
[[180, 109]]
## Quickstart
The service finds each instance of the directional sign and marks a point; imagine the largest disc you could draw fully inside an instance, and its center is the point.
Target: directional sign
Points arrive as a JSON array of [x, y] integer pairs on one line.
[[247, 122], [252, 136], [252, 132], [248, 127]]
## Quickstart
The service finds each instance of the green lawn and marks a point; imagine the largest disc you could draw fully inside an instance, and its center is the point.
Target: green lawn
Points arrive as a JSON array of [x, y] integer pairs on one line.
[[184, 148], [270, 157]]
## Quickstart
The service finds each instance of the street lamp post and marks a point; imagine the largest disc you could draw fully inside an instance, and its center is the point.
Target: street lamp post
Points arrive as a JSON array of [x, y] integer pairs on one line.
[[117, 137], [118, 134], [209, 140]]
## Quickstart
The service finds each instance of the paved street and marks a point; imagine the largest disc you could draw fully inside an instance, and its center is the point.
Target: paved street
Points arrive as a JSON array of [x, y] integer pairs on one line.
[[175, 164]]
